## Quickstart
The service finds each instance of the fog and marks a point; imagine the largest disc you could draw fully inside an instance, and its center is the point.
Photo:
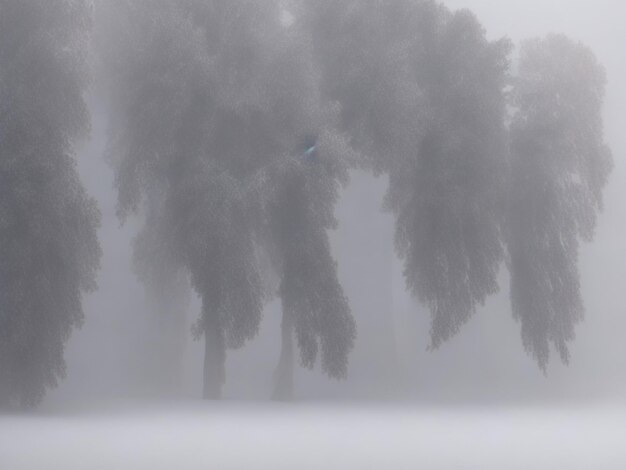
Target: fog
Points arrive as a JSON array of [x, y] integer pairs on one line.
[[132, 393], [479, 364]]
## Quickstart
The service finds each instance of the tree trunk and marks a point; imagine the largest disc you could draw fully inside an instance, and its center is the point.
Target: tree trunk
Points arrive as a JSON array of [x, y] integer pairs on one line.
[[169, 304], [283, 377], [214, 357], [4, 392]]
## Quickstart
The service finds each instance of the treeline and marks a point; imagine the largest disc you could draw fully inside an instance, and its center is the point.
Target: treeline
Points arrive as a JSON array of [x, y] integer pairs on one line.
[[234, 125]]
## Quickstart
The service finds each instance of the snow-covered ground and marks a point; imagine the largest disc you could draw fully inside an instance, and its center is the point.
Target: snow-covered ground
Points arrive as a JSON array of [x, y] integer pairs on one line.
[[236, 435]]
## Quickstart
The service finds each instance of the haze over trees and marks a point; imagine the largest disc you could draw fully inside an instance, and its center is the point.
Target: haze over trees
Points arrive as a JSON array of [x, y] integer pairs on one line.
[[49, 252], [233, 126]]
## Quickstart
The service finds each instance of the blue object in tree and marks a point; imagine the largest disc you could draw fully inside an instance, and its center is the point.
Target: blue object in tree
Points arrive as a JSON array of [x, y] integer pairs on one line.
[[310, 146]]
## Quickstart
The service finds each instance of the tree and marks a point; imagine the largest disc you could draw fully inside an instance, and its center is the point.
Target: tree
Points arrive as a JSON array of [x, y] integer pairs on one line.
[[446, 193], [146, 107], [313, 303], [559, 166], [178, 148], [49, 252], [363, 49], [422, 96], [303, 189], [210, 101]]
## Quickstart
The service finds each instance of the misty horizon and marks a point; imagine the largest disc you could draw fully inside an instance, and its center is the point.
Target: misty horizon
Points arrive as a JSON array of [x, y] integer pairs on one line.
[[366, 219]]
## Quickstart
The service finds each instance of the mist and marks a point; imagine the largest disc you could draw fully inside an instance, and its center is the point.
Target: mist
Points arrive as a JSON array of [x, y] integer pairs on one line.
[[334, 234]]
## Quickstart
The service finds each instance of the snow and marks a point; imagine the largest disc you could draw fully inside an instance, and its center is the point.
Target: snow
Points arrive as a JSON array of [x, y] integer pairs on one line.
[[233, 435]]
